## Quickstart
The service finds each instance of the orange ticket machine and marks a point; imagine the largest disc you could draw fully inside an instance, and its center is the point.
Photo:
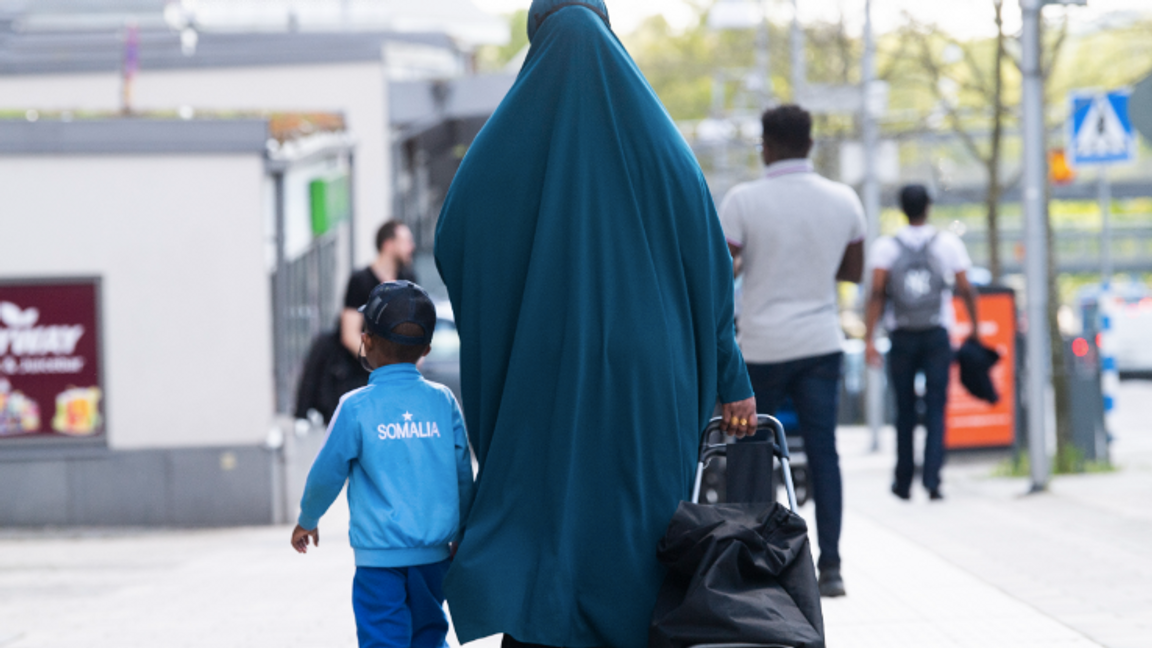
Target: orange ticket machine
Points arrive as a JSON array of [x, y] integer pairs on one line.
[[968, 421]]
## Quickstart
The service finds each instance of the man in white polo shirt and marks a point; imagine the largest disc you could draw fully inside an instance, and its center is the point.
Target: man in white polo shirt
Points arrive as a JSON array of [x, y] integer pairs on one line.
[[793, 235]]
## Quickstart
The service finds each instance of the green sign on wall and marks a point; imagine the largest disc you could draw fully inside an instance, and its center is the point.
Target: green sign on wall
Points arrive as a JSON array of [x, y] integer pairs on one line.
[[330, 202]]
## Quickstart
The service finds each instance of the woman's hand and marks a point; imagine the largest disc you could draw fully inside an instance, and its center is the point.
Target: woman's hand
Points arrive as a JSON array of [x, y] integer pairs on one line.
[[739, 418]]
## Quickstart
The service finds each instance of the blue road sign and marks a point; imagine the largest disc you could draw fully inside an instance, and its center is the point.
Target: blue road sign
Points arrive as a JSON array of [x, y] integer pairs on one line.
[[1100, 129]]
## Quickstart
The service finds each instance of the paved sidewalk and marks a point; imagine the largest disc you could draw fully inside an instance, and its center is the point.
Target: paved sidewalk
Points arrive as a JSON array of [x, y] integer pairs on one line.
[[987, 567], [1081, 553], [902, 595], [171, 589], [244, 587]]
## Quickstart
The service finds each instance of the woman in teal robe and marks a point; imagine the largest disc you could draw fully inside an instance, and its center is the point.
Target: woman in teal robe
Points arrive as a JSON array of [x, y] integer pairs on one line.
[[592, 289]]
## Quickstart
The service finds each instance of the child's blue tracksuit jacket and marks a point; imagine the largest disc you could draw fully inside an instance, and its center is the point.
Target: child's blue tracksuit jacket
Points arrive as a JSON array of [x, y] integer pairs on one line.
[[400, 444]]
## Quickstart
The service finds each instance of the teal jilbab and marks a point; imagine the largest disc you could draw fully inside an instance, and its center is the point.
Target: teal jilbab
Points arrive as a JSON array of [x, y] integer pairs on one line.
[[592, 288]]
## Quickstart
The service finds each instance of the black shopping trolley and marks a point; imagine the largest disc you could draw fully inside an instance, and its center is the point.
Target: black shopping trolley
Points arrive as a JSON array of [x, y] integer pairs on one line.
[[740, 573]]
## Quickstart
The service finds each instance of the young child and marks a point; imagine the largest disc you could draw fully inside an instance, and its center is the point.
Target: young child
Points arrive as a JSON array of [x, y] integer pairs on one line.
[[400, 444]]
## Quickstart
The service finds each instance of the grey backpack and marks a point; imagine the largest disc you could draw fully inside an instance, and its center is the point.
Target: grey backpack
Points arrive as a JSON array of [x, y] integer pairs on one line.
[[915, 283]]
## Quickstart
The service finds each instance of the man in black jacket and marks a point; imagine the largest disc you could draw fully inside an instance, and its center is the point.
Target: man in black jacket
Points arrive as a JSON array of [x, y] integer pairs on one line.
[[395, 247], [332, 368]]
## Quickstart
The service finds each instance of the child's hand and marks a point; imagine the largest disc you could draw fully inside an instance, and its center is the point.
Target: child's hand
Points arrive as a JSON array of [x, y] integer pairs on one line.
[[300, 537]]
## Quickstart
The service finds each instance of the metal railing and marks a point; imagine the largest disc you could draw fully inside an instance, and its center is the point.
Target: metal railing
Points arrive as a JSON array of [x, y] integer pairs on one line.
[[306, 301], [1076, 250]]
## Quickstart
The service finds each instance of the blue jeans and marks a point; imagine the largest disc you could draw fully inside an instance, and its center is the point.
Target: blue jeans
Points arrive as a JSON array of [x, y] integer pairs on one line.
[[400, 607], [814, 386], [912, 352]]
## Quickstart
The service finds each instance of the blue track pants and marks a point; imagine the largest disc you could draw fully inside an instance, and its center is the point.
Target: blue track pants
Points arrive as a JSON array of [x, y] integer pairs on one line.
[[400, 607]]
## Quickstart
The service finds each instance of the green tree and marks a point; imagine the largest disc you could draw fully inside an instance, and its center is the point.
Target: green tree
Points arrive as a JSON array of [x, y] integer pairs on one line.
[[681, 66], [493, 58], [976, 70]]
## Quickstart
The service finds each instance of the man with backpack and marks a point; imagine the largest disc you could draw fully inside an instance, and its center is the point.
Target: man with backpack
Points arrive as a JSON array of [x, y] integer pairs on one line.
[[913, 276]]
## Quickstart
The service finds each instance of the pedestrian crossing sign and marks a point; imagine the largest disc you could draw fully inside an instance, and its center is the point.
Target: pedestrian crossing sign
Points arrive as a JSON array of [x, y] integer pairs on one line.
[[1099, 128]]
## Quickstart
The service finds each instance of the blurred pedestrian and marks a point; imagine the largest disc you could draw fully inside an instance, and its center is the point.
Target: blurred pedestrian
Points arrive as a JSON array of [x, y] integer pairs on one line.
[[394, 249], [795, 234], [331, 368], [912, 276], [592, 289], [400, 445]]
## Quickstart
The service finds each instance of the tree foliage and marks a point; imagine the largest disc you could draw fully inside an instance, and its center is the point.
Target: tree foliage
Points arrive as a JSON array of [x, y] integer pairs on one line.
[[493, 58], [968, 90], [680, 64]]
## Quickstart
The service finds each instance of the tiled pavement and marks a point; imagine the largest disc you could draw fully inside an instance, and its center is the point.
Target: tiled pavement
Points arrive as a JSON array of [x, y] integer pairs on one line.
[[987, 567], [1080, 554], [901, 594], [239, 587]]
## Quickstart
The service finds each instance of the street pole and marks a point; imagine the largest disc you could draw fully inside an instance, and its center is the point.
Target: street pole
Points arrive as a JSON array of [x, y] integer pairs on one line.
[[720, 146], [799, 65], [874, 385], [1035, 261], [280, 296], [1109, 376], [763, 62], [1104, 192]]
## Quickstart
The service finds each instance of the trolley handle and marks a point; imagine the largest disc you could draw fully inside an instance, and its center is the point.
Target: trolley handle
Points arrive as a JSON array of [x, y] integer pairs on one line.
[[763, 422], [780, 449]]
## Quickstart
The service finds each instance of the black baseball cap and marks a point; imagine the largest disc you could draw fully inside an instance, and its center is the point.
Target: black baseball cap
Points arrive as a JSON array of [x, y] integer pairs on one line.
[[393, 303]]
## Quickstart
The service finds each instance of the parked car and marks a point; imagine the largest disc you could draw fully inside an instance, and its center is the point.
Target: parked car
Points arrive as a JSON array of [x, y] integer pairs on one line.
[[1131, 325], [442, 364]]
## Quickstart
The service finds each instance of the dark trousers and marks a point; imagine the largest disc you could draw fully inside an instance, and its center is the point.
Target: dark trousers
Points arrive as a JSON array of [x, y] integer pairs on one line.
[[913, 352], [400, 607], [814, 386]]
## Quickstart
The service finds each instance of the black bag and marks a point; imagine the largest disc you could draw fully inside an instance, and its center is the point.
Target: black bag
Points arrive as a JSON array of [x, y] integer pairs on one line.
[[737, 574], [976, 362], [329, 373]]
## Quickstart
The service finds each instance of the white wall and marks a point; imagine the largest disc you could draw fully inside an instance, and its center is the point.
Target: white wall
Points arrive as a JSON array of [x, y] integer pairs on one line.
[[179, 242], [359, 90]]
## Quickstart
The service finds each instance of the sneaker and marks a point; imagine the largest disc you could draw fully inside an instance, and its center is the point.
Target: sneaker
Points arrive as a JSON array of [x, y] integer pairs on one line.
[[902, 493], [830, 582], [935, 494]]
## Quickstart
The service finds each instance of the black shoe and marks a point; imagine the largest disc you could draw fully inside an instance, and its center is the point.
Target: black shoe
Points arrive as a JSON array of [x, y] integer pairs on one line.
[[830, 583], [935, 494], [902, 493]]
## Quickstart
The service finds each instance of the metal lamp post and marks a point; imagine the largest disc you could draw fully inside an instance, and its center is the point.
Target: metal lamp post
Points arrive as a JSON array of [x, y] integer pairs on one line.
[[1035, 261], [1036, 236], [874, 377]]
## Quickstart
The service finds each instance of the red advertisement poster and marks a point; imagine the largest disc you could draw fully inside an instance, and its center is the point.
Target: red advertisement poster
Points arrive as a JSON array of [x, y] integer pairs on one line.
[[50, 371], [968, 421]]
